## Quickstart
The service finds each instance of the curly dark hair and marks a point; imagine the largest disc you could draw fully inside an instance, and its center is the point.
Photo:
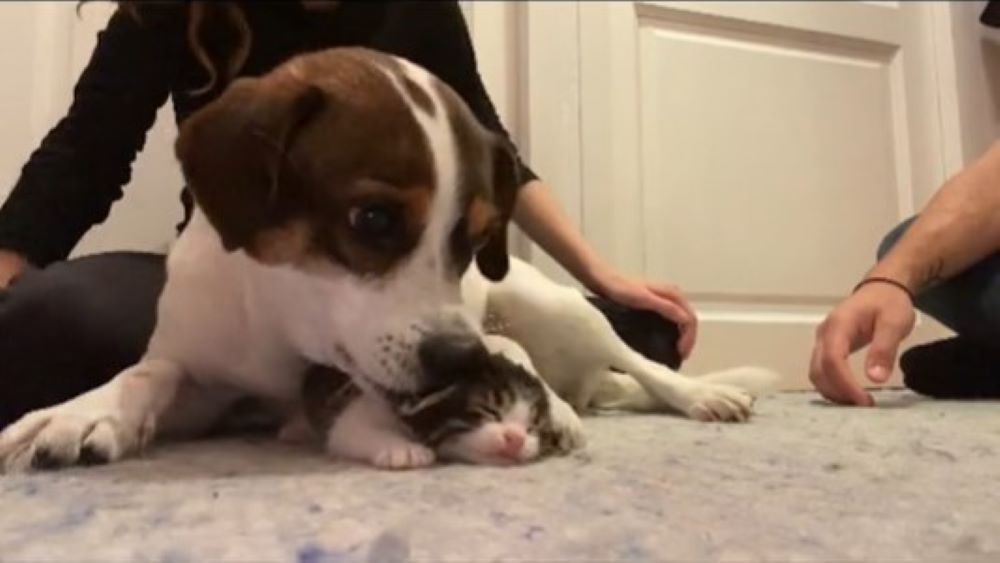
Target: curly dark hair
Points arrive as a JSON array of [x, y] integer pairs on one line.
[[217, 32]]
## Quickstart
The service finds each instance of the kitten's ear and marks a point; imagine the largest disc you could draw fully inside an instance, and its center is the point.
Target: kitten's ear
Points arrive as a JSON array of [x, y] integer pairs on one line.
[[413, 404]]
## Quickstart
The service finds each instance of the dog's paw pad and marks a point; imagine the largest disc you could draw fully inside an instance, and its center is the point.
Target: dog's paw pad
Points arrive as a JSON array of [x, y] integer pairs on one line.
[[44, 459], [66, 438], [92, 454], [721, 403]]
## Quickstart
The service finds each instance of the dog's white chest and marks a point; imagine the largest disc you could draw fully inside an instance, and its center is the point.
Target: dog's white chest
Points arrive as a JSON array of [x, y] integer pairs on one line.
[[209, 316]]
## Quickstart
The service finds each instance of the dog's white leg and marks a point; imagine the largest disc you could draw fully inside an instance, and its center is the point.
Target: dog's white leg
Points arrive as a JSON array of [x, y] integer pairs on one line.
[[568, 340], [620, 391], [700, 400], [102, 425], [568, 434], [367, 431]]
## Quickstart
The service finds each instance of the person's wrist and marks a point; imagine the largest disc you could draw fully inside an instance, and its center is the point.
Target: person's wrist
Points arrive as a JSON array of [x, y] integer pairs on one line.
[[903, 269], [885, 281], [596, 276]]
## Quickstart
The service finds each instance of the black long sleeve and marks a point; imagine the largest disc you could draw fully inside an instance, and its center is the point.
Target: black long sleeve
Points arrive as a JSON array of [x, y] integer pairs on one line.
[[435, 36], [71, 180]]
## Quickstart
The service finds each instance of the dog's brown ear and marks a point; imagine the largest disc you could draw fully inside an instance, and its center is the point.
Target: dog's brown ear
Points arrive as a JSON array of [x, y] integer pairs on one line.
[[233, 154], [492, 258]]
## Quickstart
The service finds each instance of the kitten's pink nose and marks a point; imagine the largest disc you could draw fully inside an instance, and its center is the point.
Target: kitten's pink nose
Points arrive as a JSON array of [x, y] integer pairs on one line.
[[513, 443]]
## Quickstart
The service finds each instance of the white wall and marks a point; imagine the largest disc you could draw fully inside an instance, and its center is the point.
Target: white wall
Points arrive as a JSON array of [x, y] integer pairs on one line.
[[18, 24], [46, 48]]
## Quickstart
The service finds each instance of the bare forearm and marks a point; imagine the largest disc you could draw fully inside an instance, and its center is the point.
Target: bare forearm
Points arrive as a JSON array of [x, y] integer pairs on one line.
[[538, 214], [959, 227]]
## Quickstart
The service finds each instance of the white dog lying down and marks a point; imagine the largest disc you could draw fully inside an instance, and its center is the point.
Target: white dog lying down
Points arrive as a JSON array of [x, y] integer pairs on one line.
[[575, 349], [340, 198]]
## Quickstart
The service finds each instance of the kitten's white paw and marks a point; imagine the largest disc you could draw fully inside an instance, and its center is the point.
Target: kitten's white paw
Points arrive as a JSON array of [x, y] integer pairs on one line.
[[567, 428], [296, 430], [718, 402], [403, 456], [73, 433]]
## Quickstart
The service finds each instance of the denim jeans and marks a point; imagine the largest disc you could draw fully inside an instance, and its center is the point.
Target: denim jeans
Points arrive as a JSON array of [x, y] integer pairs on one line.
[[968, 303]]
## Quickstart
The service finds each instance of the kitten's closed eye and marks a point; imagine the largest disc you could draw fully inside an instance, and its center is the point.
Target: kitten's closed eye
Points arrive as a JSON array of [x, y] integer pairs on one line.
[[508, 437], [490, 413]]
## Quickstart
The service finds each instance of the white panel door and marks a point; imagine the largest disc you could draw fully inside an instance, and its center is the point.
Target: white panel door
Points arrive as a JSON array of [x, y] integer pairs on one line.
[[34, 58], [752, 152]]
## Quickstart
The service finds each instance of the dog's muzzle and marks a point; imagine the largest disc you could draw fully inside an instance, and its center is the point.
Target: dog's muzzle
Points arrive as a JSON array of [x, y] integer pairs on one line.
[[451, 352], [446, 356]]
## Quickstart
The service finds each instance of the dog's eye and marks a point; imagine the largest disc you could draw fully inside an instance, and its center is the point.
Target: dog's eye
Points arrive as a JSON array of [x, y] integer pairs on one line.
[[375, 221]]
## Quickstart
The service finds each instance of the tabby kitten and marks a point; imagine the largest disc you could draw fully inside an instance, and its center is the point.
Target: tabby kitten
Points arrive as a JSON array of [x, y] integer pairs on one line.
[[498, 415]]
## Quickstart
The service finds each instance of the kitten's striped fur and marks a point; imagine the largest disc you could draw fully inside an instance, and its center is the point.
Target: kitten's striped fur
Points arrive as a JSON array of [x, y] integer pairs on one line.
[[438, 418]]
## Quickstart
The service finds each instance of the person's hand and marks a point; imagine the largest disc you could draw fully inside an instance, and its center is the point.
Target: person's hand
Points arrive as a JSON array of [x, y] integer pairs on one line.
[[666, 300], [878, 314], [11, 264]]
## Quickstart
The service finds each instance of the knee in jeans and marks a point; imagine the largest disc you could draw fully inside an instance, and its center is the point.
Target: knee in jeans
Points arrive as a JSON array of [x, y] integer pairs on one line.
[[41, 299]]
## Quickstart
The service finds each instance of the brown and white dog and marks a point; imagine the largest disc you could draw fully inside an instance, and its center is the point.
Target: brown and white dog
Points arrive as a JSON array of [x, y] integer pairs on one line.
[[340, 200]]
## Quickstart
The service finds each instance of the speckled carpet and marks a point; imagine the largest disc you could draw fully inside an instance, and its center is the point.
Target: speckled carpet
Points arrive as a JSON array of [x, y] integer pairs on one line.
[[913, 480]]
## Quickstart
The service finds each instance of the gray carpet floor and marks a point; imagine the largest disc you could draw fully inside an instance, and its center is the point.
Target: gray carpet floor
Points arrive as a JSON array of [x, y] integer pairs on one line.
[[911, 481]]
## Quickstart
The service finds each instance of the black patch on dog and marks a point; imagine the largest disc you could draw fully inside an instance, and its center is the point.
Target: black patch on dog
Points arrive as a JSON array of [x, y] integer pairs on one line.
[[645, 332]]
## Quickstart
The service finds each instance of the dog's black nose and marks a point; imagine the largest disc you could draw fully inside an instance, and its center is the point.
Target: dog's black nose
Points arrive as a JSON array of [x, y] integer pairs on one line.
[[445, 356]]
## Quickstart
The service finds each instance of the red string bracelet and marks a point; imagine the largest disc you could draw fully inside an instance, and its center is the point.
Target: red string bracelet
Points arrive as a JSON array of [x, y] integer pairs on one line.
[[889, 281]]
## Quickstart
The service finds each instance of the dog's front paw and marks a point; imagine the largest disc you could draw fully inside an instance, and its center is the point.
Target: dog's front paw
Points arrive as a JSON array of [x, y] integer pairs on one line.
[[405, 455], [718, 402], [566, 432], [66, 435]]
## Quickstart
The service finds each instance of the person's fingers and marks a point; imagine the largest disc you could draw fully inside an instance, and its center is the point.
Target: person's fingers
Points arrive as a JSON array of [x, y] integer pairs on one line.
[[687, 323], [839, 383], [882, 352], [11, 265], [670, 310], [689, 330], [665, 289], [685, 344], [819, 379], [673, 293], [816, 376]]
